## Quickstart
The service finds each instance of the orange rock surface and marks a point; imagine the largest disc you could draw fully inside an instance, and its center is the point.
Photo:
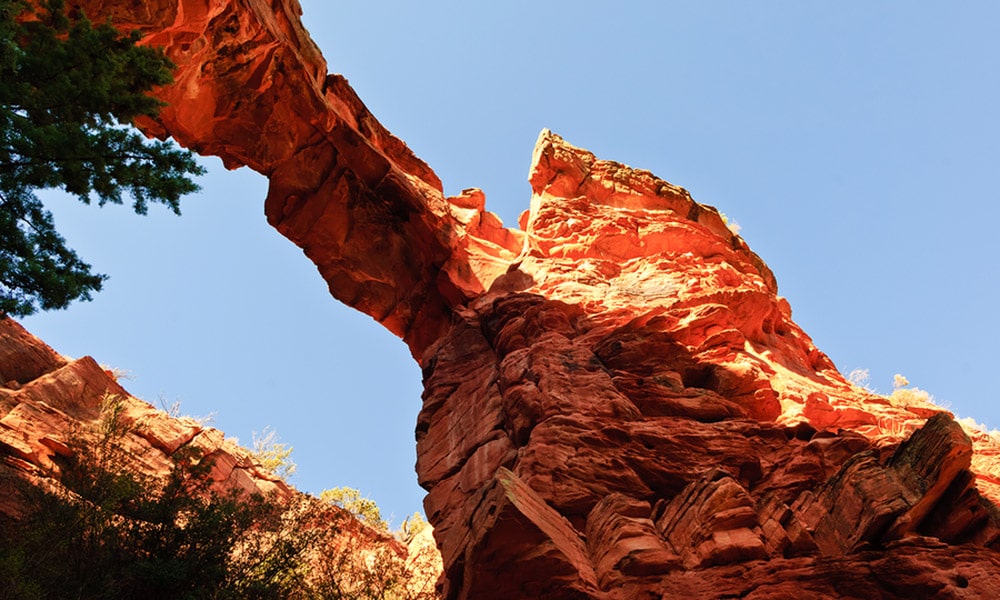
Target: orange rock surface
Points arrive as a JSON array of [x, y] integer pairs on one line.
[[617, 402], [50, 406], [45, 399]]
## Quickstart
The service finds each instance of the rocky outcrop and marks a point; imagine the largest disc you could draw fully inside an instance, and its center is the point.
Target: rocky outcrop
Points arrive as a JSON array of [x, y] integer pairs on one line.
[[617, 402], [45, 399], [52, 408], [50, 404], [252, 88], [631, 412], [633, 397]]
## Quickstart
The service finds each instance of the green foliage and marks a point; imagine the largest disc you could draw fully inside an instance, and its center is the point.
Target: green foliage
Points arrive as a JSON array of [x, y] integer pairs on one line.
[[274, 456], [731, 225], [68, 90], [374, 574], [111, 533], [352, 501], [377, 572], [411, 527]]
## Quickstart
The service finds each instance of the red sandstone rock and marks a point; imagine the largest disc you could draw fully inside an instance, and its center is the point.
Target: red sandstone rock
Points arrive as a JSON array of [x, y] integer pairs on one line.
[[52, 405], [617, 402], [54, 399]]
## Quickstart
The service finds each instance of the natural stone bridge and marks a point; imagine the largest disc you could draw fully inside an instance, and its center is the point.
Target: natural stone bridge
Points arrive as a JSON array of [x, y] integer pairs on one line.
[[617, 402]]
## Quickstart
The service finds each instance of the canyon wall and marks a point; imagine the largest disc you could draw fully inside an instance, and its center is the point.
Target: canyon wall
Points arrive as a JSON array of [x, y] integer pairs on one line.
[[53, 409], [617, 402], [46, 400]]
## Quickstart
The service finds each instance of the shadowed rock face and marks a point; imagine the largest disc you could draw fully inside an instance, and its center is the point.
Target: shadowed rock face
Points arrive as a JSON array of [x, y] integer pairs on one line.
[[617, 402]]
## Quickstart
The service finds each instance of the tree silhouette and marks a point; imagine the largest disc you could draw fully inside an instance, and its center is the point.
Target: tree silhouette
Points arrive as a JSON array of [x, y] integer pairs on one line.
[[68, 92]]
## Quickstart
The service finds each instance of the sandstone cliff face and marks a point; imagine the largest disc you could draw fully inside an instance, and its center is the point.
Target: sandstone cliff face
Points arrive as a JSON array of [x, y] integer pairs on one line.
[[630, 411], [617, 402], [45, 399], [50, 407]]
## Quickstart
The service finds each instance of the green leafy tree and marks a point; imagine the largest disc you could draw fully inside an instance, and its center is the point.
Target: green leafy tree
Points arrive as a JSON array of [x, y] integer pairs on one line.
[[68, 91], [273, 455], [353, 502], [109, 532]]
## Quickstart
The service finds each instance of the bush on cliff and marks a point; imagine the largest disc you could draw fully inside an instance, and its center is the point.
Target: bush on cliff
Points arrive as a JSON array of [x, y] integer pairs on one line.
[[353, 502], [273, 455], [106, 532], [68, 91], [110, 533]]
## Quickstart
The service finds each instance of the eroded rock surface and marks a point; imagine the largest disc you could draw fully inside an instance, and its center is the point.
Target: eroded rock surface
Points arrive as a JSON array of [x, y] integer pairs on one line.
[[49, 403], [52, 407], [665, 422], [617, 402]]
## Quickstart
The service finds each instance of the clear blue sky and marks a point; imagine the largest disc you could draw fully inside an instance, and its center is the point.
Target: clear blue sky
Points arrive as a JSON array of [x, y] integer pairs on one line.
[[857, 144]]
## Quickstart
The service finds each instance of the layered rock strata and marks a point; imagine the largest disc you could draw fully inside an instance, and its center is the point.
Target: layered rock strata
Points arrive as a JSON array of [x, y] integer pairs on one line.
[[631, 412], [51, 407], [617, 402], [47, 400]]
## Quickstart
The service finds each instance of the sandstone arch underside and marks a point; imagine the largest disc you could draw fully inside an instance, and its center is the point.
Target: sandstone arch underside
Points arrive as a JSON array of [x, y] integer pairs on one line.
[[617, 402]]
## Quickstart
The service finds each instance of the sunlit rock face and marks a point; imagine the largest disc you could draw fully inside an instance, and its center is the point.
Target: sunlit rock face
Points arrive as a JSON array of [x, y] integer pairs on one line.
[[49, 405], [630, 412], [617, 402], [252, 88]]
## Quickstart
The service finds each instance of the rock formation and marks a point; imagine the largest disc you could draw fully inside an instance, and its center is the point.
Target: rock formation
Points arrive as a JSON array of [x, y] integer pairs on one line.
[[617, 402], [45, 399], [50, 407]]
